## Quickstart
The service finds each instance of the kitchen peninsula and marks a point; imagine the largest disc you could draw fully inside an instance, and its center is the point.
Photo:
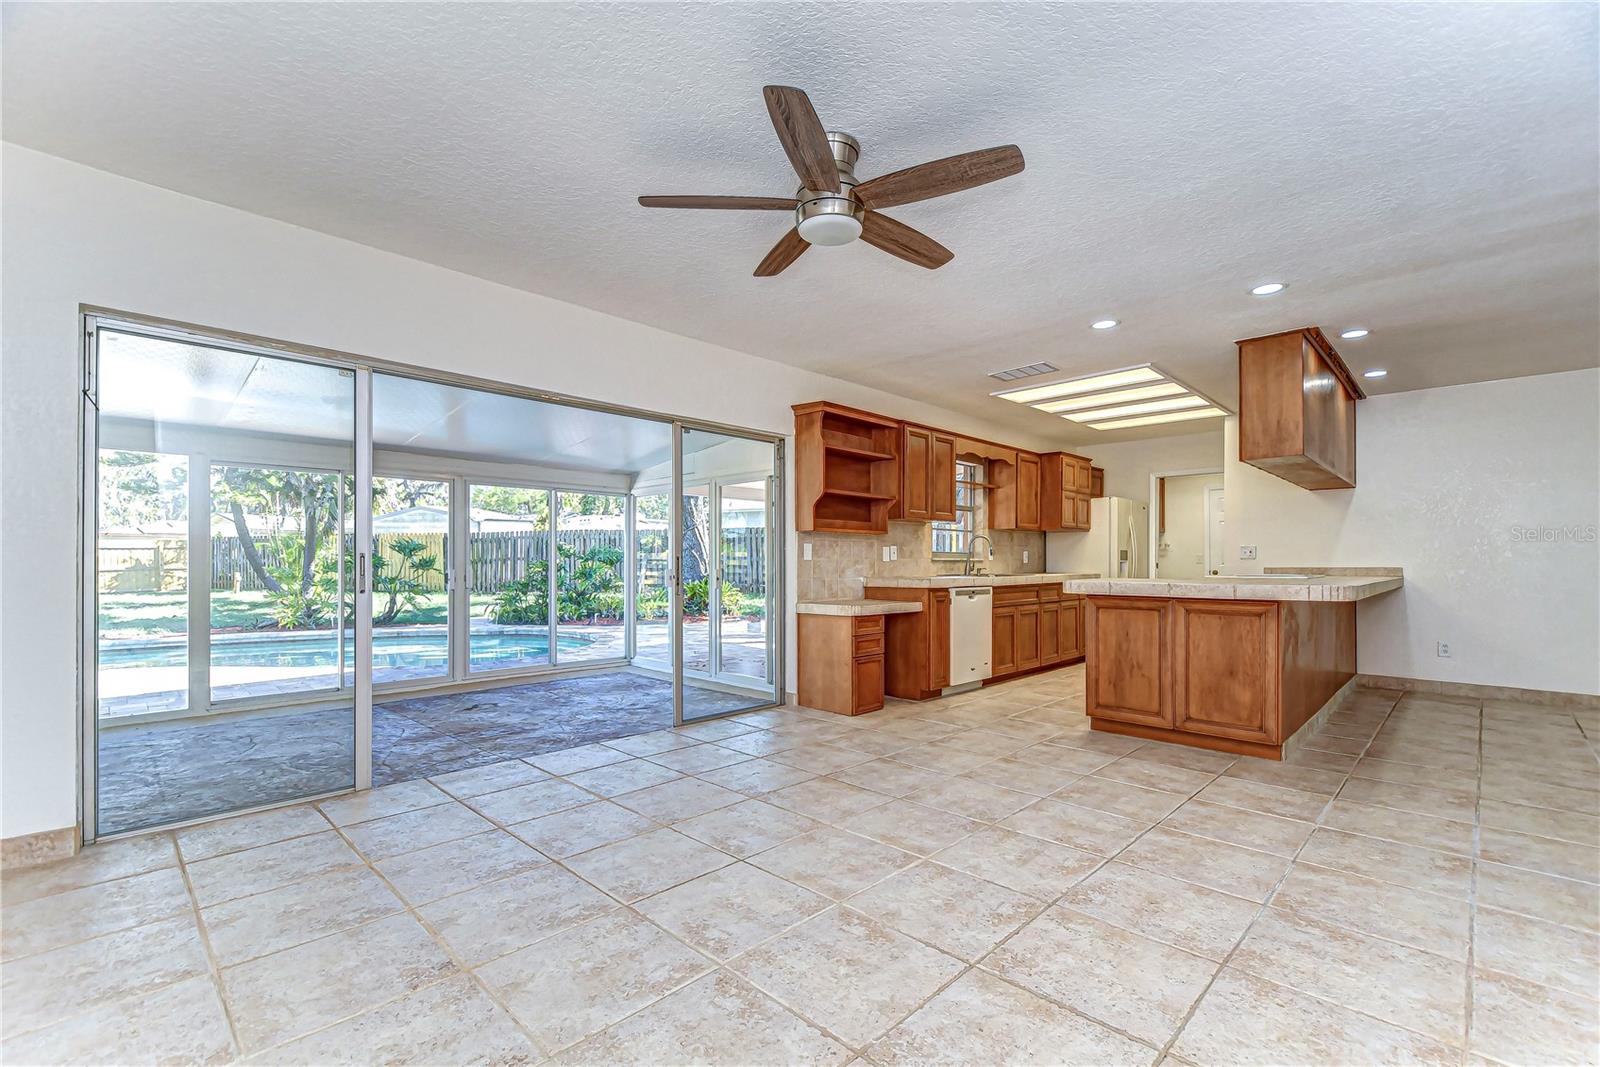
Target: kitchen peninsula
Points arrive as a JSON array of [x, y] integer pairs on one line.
[[1236, 664]]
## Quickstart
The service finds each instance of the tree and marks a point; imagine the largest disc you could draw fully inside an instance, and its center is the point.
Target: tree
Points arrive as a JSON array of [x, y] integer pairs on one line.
[[307, 499]]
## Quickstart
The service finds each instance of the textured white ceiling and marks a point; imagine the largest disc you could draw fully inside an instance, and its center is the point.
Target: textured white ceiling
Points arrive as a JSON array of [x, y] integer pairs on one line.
[[1428, 171]]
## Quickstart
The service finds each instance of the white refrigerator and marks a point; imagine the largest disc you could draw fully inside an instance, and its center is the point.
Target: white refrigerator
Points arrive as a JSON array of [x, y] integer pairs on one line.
[[1116, 545]]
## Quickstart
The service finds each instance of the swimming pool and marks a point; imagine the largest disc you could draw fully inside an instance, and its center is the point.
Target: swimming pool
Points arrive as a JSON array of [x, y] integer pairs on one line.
[[411, 648]]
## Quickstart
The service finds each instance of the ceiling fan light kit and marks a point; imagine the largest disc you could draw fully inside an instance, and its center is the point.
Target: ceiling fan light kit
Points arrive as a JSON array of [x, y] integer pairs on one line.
[[832, 206]]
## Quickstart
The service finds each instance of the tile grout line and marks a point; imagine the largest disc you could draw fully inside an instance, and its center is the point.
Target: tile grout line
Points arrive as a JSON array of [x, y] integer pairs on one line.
[[1262, 910], [212, 965]]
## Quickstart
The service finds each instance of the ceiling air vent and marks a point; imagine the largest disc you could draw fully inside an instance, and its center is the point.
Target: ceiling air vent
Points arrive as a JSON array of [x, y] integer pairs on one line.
[[1029, 371]]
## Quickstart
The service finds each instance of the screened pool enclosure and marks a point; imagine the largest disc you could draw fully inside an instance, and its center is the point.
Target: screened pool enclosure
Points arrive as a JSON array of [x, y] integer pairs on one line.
[[306, 574]]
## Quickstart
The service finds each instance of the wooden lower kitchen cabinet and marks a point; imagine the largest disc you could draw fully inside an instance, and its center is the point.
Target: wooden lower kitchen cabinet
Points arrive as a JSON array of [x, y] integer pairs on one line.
[[1238, 676], [917, 659], [841, 663], [1035, 626]]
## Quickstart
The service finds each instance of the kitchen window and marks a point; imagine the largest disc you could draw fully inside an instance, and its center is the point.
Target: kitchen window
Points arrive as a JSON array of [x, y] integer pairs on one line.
[[954, 539]]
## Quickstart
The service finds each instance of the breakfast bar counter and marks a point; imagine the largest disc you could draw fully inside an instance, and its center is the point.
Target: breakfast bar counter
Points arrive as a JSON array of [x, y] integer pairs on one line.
[[1237, 664]]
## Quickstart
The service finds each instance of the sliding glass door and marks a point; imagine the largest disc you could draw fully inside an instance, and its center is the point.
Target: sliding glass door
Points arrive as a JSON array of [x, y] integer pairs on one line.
[[223, 594], [411, 580], [726, 560]]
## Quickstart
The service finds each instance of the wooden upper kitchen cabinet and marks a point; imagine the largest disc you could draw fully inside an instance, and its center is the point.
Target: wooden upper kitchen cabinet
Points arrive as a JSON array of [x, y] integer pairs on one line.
[[847, 469], [1097, 482], [1297, 409], [927, 475], [1066, 484], [1015, 499]]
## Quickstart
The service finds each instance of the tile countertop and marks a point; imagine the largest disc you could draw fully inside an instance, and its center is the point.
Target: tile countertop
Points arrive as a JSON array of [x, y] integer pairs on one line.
[[857, 607], [963, 581], [1280, 583]]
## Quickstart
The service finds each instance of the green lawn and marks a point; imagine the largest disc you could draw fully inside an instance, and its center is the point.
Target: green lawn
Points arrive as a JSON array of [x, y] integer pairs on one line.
[[157, 614]]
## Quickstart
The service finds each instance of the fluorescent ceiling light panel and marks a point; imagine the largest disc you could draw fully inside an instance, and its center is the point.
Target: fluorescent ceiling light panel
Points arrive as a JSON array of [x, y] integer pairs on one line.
[[1116, 396], [1174, 404], [1152, 420], [1076, 386]]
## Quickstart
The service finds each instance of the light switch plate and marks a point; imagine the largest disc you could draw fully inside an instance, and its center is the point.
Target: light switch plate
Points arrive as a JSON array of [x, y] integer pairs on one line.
[[1024, 555], [886, 553], [1247, 551], [805, 549], [894, 552]]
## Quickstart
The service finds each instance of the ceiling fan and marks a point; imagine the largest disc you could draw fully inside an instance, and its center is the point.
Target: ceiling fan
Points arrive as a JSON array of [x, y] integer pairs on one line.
[[832, 207]]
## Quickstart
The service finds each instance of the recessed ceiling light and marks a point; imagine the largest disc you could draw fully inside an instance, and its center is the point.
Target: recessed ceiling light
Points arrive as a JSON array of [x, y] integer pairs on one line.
[[1269, 288], [1374, 373], [1116, 396], [1354, 335], [1094, 384], [1104, 324], [1151, 420], [1176, 403]]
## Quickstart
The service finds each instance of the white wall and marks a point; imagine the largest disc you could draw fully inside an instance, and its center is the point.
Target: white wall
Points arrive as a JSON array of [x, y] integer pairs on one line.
[[72, 235], [1489, 496], [1180, 551], [1130, 464]]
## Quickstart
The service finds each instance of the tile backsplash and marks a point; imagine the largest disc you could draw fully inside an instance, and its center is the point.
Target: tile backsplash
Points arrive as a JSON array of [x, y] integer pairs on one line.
[[842, 564]]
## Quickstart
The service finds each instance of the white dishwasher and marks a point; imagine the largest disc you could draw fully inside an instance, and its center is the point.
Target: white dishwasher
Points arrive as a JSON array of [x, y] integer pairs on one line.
[[971, 634]]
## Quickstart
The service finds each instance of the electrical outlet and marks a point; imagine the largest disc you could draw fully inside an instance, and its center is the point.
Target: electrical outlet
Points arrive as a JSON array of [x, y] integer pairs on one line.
[[805, 550], [1024, 555], [894, 552], [1444, 649], [1247, 551]]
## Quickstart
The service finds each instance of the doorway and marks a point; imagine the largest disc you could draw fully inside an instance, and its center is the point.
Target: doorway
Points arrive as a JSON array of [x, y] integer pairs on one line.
[[1180, 529]]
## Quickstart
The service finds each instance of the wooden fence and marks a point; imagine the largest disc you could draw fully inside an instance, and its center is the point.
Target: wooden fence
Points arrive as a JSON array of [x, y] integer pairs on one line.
[[497, 558]]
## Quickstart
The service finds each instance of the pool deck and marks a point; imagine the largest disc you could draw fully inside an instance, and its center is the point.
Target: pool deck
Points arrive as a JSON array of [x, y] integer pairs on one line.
[[184, 769]]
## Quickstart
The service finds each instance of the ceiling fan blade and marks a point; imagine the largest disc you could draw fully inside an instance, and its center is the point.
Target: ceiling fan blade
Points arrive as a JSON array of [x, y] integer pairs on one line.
[[898, 239], [928, 180], [785, 252], [725, 203], [802, 136]]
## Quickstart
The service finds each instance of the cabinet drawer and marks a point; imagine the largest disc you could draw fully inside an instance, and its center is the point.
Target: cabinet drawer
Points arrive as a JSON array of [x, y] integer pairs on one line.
[[1016, 594], [869, 624], [869, 644], [1049, 593]]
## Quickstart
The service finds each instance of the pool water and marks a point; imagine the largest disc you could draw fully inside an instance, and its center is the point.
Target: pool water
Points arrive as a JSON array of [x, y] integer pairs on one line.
[[390, 648]]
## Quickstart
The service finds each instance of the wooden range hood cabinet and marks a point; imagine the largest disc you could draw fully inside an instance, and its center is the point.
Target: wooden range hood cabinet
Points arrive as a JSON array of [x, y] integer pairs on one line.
[[1297, 409]]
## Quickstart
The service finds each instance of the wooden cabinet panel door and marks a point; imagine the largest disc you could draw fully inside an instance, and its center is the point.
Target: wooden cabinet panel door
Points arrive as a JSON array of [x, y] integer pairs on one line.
[[1003, 659], [1080, 506], [1027, 638], [941, 477], [1225, 668], [915, 446], [1028, 517], [1129, 675], [867, 685], [1069, 627], [938, 638], [1050, 632]]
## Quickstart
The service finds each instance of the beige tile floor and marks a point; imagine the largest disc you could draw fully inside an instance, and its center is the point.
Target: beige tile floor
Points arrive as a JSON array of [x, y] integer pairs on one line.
[[978, 879]]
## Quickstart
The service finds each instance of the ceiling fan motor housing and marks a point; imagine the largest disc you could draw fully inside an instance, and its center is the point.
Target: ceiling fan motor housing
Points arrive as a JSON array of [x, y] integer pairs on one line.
[[824, 217]]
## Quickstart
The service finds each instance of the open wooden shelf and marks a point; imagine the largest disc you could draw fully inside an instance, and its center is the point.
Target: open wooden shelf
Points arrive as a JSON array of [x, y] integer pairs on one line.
[[856, 495], [847, 469], [859, 453]]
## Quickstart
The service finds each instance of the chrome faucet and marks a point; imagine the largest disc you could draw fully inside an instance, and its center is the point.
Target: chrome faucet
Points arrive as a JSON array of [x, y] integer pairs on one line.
[[967, 568]]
